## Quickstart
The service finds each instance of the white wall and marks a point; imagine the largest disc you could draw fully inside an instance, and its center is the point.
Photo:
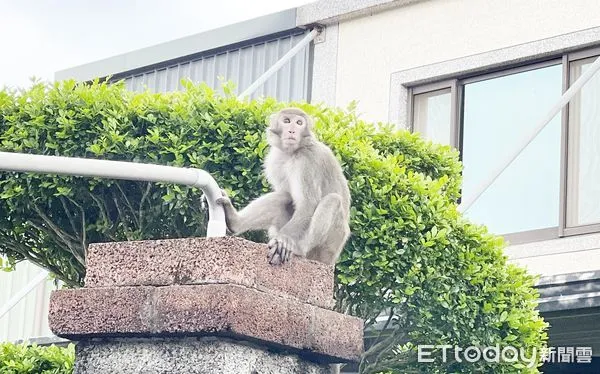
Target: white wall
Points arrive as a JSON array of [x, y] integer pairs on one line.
[[573, 254], [373, 47], [29, 318], [411, 37]]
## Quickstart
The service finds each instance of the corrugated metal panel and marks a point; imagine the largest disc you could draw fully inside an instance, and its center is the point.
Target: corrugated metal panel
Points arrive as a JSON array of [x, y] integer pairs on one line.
[[241, 64], [29, 318]]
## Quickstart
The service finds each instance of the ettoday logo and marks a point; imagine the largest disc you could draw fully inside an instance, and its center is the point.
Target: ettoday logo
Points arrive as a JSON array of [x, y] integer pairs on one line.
[[508, 354], [474, 354]]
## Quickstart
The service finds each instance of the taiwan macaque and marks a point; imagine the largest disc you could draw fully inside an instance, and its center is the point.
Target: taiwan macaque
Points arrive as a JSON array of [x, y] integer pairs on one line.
[[308, 210]]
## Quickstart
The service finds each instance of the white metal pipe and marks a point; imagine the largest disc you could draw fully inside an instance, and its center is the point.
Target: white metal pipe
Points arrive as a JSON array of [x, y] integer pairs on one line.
[[42, 276], [273, 69], [124, 170], [511, 156]]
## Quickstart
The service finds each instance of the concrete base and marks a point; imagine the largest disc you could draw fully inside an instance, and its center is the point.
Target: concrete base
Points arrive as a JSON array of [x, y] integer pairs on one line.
[[205, 355]]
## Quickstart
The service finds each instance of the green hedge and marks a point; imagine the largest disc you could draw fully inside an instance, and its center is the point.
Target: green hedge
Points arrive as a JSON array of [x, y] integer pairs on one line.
[[411, 254], [26, 359]]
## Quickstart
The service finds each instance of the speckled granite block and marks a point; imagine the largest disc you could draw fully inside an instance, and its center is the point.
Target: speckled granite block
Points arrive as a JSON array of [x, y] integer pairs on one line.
[[101, 311], [203, 306], [200, 310], [204, 261]]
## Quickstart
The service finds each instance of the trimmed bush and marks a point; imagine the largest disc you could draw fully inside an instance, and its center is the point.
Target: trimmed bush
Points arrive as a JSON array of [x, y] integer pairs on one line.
[[34, 359], [441, 279]]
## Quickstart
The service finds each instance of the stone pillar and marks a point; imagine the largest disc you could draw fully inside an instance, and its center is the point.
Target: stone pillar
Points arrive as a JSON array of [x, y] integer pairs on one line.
[[203, 305]]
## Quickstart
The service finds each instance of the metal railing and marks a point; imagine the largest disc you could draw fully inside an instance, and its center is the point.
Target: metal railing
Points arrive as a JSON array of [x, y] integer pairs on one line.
[[114, 170], [124, 170]]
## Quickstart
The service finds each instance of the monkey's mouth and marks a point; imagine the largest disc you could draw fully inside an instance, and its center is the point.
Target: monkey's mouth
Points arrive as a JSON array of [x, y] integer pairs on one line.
[[290, 138]]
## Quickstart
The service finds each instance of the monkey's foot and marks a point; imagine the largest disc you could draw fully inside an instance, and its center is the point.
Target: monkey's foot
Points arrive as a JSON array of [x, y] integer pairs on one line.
[[281, 248]]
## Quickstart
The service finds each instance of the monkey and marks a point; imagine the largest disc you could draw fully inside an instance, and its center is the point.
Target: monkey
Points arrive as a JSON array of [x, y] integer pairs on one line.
[[307, 213]]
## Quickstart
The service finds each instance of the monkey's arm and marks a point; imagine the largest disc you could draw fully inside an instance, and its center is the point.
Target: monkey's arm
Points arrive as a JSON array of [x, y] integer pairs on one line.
[[258, 215], [287, 240], [298, 225]]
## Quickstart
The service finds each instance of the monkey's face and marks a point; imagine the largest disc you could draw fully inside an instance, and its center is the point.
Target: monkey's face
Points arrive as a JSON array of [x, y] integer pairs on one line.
[[291, 130]]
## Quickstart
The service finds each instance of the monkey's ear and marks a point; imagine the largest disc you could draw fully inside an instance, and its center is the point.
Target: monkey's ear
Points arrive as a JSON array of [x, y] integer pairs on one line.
[[273, 123], [309, 121]]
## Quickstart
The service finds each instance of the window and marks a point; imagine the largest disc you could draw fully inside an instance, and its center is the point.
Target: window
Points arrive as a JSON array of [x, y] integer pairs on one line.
[[583, 170], [497, 113], [432, 115], [491, 114]]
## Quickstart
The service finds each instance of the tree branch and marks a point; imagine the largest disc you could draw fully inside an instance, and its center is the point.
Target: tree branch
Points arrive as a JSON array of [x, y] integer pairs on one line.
[[68, 214], [57, 237], [128, 204], [379, 349], [83, 235], [141, 207], [104, 213]]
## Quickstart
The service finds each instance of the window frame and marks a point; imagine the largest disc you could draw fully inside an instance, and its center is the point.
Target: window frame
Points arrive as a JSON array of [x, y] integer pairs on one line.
[[568, 58], [456, 84], [451, 84]]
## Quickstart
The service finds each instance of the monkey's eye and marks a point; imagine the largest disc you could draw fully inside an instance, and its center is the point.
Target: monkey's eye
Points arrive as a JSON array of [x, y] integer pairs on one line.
[[299, 122], [286, 120]]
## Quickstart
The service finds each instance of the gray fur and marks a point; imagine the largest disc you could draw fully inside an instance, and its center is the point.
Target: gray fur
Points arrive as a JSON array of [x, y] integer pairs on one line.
[[308, 211]]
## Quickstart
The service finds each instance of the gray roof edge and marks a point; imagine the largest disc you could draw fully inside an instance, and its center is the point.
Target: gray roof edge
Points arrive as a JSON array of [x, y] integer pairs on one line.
[[569, 302], [211, 39], [332, 11], [568, 278]]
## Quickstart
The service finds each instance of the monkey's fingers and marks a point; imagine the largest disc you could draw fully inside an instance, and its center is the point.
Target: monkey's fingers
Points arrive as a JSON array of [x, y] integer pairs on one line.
[[274, 250], [286, 246], [286, 255], [223, 201]]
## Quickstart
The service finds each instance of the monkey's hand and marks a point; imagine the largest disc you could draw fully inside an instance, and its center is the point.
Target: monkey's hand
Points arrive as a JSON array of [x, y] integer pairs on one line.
[[231, 216], [281, 248], [224, 199]]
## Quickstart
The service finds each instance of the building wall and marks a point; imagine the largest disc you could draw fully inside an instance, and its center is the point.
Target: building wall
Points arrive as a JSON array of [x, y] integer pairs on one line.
[[575, 254], [371, 48], [239, 64], [239, 52], [435, 37], [29, 318]]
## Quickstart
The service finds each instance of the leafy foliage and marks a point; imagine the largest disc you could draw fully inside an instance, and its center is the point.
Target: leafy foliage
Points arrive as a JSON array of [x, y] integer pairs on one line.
[[440, 279], [25, 359]]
